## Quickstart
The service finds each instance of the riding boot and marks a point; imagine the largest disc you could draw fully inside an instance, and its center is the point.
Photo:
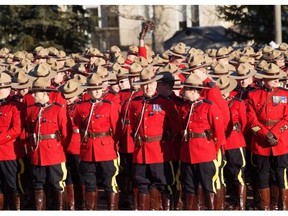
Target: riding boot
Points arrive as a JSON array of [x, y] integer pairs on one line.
[[40, 200], [16, 201], [274, 197], [112, 201], [265, 198], [154, 199], [143, 201], [91, 200], [190, 202]]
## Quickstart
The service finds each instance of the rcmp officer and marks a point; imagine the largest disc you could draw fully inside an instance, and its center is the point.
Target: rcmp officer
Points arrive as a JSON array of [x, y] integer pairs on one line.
[[98, 122], [235, 146], [154, 123], [11, 128], [202, 126], [267, 118], [48, 136], [74, 182]]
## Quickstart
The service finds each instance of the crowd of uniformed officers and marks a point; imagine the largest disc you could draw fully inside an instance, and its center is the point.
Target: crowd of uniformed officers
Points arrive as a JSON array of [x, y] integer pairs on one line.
[[182, 130]]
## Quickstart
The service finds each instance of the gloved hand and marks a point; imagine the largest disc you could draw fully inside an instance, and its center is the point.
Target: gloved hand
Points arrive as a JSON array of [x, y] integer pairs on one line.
[[271, 139]]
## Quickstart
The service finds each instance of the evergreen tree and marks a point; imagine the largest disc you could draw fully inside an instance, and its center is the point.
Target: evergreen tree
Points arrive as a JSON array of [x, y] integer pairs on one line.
[[27, 26]]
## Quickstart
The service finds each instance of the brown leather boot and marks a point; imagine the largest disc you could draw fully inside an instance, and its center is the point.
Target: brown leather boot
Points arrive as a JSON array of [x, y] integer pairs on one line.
[[242, 191], [135, 198], [200, 201], [154, 199], [112, 201], [265, 198], [177, 200], [16, 201], [274, 190], [218, 199], [143, 201], [91, 200], [166, 199], [70, 202], [284, 198], [60, 197], [79, 197], [190, 202], [210, 197], [40, 200], [1, 201]]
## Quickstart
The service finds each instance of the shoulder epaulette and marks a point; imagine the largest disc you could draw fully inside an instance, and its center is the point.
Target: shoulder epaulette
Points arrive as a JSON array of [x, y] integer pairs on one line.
[[207, 101], [107, 101]]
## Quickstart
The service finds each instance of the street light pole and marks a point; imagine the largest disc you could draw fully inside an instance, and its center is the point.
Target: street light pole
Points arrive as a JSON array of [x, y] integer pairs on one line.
[[278, 24]]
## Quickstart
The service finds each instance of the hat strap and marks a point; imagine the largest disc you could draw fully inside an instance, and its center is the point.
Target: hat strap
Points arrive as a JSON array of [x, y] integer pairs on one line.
[[70, 92], [225, 87], [24, 83]]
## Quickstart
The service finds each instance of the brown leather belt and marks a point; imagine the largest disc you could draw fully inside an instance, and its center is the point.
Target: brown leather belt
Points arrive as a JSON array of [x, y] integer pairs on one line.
[[269, 123], [196, 135], [94, 135], [151, 138], [47, 136], [76, 130]]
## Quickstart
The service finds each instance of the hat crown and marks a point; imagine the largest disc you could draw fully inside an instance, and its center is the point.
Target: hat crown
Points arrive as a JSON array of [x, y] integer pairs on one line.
[[99, 61], [53, 51], [20, 77], [193, 80], [196, 60], [5, 78], [115, 49], [179, 48], [271, 69], [42, 70], [61, 54], [100, 70], [283, 46], [116, 66], [120, 59], [262, 64], [94, 79], [223, 51], [79, 67], [220, 69], [172, 68], [69, 63], [80, 78], [147, 73], [133, 49], [70, 86], [142, 61], [41, 82], [223, 82], [121, 72], [245, 59], [243, 69], [135, 68], [267, 49]]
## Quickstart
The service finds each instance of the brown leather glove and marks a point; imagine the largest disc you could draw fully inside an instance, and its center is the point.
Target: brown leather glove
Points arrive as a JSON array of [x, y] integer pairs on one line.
[[271, 139]]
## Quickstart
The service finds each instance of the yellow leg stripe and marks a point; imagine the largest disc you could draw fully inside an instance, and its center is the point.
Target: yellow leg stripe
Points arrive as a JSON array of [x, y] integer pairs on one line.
[[240, 179], [215, 177], [64, 170], [285, 178], [22, 169], [173, 173], [114, 182], [218, 164], [178, 181], [222, 173]]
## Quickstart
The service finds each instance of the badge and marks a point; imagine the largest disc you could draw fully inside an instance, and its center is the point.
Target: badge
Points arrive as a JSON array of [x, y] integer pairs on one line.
[[283, 99], [276, 100], [157, 108]]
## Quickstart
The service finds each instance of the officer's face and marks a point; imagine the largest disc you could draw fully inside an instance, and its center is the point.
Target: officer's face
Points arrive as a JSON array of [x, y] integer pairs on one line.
[[245, 82], [59, 77], [95, 93], [190, 94], [271, 83], [132, 80], [39, 96], [149, 89], [115, 88], [124, 84], [4, 92], [22, 92]]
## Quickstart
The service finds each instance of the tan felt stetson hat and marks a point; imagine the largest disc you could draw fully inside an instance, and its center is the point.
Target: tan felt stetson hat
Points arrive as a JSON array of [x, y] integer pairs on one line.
[[79, 69], [68, 64], [5, 80], [42, 84], [159, 61], [223, 52], [226, 84], [219, 70], [178, 50], [113, 80], [266, 49], [102, 72], [243, 71], [80, 79], [142, 61], [133, 49], [134, 70], [272, 71], [94, 81], [70, 89], [121, 73], [249, 51], [147, 76], [195, 62], [93, 52], [193, 81], [21, 81], [273, 56], [283, 47], [42, 70], [171, 68]]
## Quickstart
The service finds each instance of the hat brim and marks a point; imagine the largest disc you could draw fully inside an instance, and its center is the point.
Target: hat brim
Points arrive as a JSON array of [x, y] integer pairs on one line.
[[262, 74], [43, 89], [192, 86], [91, 86], [67, 95], [19, 86], [189, 70], [51, 75], [217, 75], [140, 82], [231, 87], [171, 53], [236, 76]]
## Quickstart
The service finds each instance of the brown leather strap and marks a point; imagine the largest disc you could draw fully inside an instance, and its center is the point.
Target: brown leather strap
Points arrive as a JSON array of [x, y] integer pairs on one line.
[[269, 123], [94, 135], [47, 136], [76, 130], [196, 135], [151, 138]]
